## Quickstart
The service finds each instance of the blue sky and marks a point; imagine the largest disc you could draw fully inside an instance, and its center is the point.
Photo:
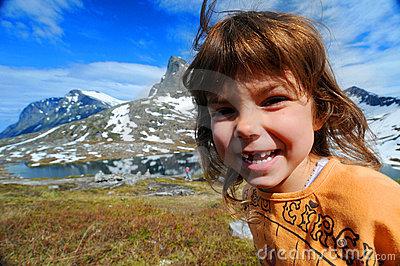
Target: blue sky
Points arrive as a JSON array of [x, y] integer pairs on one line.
[[121, 47]]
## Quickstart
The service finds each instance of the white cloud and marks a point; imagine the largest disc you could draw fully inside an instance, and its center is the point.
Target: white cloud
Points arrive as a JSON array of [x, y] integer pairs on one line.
[[124, 81], [365, 43], [37, 18]]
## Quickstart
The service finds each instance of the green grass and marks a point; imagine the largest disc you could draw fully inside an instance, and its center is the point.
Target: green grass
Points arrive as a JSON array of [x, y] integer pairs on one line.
[[121, 226]]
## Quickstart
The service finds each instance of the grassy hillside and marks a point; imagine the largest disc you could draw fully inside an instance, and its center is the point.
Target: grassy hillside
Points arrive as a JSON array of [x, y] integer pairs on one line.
[[123, 226]]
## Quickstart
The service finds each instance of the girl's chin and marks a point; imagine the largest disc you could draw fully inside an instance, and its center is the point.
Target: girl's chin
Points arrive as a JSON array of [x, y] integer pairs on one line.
[[262, 182]]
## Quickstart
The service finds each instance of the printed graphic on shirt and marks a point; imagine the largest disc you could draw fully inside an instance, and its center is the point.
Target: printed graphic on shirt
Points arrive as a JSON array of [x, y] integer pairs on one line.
[[316, 229]]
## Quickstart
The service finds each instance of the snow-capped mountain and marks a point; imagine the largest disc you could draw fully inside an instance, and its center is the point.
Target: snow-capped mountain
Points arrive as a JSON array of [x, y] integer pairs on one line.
[[102, 97], [51, 112], [159, 124], [383, 115]]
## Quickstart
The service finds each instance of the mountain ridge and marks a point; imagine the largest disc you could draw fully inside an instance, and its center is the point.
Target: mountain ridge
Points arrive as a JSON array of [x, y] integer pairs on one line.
[[371, 98], [54, 111]]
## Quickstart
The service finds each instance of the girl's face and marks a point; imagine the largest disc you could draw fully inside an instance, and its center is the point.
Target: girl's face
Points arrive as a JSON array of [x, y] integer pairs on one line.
[[265, 132]]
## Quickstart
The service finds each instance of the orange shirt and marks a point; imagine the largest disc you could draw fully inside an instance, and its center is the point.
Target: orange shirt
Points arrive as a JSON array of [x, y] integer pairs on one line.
[[348, 215]]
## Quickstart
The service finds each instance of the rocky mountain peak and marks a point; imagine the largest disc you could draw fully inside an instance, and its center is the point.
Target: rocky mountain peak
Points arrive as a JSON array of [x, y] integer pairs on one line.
[[369, 98], [175, 65], [171, 82]]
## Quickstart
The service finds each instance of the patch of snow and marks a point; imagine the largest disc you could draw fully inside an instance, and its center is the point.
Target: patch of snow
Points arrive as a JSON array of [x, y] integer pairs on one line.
[[105, 98], [152, 113], [11, 146], [16, 154], [190, 134], [146, 148], [35, 157], [122, 123], [153, 138], [160, 149], [185, 148], [70, 98], [66, 158], [182, 104]]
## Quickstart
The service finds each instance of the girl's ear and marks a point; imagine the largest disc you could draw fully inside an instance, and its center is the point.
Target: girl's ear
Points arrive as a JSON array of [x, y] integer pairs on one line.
[[317, 124], [318, 121]]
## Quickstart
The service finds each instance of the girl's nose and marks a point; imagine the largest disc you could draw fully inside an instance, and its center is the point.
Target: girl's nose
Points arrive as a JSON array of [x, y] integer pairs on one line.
[[247, 127]]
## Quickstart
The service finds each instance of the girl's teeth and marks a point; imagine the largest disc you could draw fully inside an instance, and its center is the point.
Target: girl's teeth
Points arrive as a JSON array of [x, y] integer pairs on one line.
[[259, 158]]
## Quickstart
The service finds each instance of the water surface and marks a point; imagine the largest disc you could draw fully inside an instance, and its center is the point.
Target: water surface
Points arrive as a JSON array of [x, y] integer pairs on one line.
[[167, 164]]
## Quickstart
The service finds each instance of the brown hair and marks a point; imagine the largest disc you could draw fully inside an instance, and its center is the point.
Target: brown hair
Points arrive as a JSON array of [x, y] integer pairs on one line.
[[249, 44]]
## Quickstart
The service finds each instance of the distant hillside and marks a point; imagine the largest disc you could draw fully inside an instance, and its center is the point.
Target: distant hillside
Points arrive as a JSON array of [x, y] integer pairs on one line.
[[52, 112]]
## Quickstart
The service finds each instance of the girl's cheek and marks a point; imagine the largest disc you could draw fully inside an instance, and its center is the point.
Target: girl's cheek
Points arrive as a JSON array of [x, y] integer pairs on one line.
[[221, 138]]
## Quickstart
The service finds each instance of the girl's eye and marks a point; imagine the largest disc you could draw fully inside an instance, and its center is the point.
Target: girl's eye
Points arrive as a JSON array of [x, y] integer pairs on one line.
[[274, 100], [222, 112]]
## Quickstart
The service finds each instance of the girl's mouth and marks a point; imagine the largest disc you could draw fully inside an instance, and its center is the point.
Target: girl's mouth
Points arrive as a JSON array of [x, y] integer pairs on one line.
[[260, 161], [259, 157]]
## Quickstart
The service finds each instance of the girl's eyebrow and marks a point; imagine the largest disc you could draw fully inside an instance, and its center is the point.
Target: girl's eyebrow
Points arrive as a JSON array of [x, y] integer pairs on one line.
[[216, 99], [265, 90], [257, 91]]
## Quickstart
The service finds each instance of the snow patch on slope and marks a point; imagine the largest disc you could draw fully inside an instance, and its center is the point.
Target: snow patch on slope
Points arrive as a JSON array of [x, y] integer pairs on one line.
[[122, 123], [11, 146], [105, 98], [182, 104]]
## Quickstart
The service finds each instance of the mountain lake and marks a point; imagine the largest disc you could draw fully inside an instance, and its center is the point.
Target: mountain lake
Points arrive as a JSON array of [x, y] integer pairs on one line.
[[164, 165]]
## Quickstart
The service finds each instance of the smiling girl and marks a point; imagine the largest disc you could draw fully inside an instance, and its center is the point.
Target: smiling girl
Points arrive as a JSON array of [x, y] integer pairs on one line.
[[271, 113]]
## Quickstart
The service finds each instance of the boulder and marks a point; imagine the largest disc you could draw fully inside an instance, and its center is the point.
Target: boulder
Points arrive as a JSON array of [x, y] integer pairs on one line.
[[240, 229]]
